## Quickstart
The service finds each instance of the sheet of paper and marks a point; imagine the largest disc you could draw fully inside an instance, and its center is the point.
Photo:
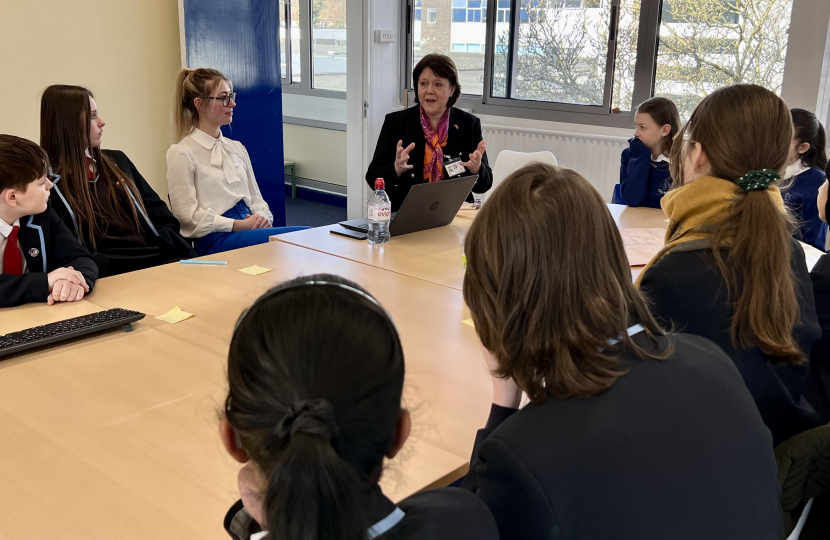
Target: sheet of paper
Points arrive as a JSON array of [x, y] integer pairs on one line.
[[255, 270], [667, 220], [641, 245], [468, 322], [174, 316]]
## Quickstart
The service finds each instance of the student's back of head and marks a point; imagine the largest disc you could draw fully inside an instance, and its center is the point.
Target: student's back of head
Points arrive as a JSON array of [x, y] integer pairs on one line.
[[743, 134], [548, 284], [315, 374]]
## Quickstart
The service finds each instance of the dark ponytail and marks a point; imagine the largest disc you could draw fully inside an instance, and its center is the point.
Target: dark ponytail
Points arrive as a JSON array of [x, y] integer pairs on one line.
[[809, 130], [316, 410]]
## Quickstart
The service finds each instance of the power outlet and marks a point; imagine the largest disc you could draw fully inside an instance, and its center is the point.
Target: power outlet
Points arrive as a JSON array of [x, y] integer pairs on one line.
[[384, 36]]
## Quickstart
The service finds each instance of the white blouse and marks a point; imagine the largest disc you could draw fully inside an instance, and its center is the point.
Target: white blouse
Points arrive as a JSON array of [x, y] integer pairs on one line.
[[206, 177]]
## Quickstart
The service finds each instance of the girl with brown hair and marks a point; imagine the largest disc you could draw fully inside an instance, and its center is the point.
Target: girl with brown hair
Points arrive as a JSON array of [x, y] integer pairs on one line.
[[102, 198], [730, 270], [644, 169], [213, 190], [631, 432]]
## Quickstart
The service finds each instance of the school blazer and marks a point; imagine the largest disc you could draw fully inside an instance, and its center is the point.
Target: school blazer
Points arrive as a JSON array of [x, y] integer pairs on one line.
[[687, 293], [47, 245], [158, 219], [817, 387], [674, 449], [438, 514], [462, 140]]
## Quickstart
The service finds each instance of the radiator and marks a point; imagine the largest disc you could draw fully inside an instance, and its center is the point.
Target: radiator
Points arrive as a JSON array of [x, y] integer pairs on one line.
[[597, 157]]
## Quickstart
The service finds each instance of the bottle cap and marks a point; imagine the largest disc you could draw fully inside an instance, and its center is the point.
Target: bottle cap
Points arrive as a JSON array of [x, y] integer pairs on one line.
[[380, 184]]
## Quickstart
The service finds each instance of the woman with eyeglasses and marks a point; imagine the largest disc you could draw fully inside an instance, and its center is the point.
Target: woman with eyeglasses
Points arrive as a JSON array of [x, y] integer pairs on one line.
[[213, 191], [99, 194]]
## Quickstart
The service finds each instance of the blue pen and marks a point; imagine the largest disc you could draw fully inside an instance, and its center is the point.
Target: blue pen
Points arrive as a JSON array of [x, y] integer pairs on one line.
[[191, 261]]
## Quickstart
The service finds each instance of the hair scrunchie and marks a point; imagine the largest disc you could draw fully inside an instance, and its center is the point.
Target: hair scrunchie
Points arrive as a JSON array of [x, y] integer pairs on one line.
[[314, 416], [754, 180]]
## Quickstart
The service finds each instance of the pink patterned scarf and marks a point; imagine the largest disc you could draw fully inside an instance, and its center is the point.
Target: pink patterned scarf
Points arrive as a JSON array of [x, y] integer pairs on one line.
[[435, 141]]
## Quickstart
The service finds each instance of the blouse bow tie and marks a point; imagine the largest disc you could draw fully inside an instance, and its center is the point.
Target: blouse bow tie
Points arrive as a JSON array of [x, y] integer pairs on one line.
[[217, 160], [216, 153]]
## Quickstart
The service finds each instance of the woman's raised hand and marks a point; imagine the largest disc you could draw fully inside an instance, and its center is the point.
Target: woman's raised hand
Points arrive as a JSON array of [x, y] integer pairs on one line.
[[402, 158]]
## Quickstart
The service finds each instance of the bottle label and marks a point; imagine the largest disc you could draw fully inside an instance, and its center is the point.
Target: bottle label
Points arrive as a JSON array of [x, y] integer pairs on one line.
[[380, 213]]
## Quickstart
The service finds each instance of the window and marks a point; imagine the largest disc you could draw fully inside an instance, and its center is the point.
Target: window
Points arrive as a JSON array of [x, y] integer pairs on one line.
[[458, 31], [431, 15], [580, 57], [328, 44], [290, 41], [503, 12], [313, 37], [459, 11], [417, 7], [705, 46]]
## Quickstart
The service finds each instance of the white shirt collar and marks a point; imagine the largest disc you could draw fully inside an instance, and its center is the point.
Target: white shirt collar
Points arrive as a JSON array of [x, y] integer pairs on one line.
[[795, 169], [6, 229], [662, 157], [204, 140]]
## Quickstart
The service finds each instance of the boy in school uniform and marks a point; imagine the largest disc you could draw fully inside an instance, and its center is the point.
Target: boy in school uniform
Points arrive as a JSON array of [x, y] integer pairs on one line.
[[40, 260]]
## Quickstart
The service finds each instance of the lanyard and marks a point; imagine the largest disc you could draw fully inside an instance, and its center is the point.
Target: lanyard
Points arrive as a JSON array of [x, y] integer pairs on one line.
[[372, 532], [632, 330], [385, 524]]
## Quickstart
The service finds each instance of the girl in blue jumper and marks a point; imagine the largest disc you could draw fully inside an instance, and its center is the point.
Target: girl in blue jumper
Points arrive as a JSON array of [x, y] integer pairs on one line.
[[644, 173], [804, 177]]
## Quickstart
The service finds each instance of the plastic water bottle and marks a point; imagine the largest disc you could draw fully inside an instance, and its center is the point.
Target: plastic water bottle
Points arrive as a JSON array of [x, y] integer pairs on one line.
[[380, 214]]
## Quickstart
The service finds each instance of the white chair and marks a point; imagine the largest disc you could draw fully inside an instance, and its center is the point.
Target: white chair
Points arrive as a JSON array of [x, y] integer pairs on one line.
[[508, 162]]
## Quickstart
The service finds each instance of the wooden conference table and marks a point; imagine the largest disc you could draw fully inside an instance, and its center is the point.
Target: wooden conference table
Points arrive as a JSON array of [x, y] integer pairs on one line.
[[115, 436], [434, 255]]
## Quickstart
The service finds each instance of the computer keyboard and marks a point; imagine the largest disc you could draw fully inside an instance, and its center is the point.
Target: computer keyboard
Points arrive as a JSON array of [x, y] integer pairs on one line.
[[67, 329]]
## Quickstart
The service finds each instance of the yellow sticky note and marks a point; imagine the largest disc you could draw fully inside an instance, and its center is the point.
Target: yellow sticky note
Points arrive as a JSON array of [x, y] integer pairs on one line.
[[255, 270], [174, 315], [468, 322]]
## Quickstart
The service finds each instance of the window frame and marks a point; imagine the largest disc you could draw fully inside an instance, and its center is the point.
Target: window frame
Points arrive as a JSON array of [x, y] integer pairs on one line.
[[644, 71], [306, 85]]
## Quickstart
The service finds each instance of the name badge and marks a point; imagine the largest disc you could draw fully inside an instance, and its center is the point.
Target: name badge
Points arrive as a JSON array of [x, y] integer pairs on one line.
[[454, 167]]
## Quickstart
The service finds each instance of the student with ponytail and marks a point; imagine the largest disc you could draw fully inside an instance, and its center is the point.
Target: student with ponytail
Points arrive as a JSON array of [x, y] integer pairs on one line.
[[730, 270], [804, 176], [213, 191], [312, 420], [102, 198]]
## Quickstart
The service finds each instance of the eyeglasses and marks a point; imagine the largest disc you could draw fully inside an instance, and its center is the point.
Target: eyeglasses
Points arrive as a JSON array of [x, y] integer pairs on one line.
[[226, 99]]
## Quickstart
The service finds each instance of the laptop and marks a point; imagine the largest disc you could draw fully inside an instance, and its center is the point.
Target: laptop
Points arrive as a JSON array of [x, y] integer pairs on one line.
[[426, 206]]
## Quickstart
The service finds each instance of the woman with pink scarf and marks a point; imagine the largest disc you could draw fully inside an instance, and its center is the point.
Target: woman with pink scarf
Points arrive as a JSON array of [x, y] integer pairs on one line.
[[428, 142]]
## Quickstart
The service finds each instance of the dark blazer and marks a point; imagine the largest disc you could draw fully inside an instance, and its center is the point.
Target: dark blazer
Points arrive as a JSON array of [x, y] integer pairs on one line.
[[802, 200], [643, 182], [158, 220], [462, 140], [47, 245], [687, 293], [817, 387], [674, 449], [440, 514]]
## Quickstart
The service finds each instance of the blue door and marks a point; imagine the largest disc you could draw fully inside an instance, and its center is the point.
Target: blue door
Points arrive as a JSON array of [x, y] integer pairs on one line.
[[240, 38]]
